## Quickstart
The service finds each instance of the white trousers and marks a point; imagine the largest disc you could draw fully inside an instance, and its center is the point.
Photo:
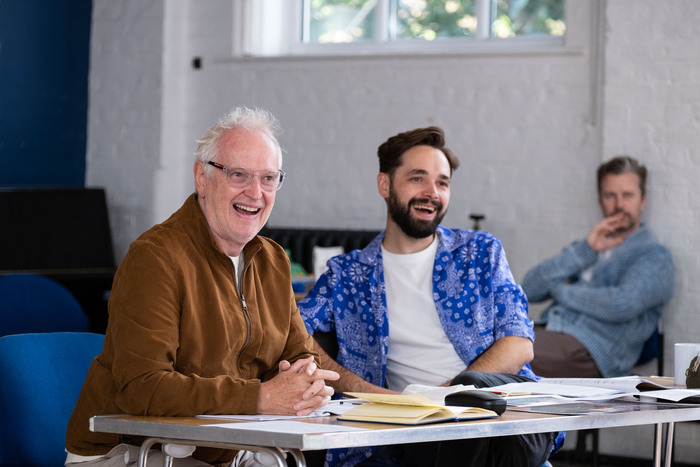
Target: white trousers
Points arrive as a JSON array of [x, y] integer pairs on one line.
[[127, 455]]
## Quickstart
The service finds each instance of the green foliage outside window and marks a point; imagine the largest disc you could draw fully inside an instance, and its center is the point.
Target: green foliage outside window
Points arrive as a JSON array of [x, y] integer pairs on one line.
[[519, 17], [428, 19], [337, 21]]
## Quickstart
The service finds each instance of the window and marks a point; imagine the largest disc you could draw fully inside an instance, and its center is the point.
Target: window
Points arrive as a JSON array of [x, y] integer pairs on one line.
[[335, 27]]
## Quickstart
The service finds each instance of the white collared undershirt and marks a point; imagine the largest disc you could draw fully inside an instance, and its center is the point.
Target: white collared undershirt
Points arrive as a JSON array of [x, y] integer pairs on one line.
[[419, 350]]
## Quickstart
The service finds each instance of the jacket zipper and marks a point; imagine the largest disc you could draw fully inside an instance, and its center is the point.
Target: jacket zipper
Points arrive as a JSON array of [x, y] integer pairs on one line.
[[248, 326], [245, 310]]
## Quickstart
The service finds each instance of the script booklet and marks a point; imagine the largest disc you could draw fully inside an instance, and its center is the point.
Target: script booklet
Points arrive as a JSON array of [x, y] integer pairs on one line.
[[620, 383], [408, 409]]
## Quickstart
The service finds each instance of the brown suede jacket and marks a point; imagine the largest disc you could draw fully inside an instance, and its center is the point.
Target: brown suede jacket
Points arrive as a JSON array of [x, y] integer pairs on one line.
[[179, 341]]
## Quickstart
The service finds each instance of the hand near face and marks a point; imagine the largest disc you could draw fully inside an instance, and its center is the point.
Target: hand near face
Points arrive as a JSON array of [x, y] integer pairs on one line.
[[609, 232], [298, 389]]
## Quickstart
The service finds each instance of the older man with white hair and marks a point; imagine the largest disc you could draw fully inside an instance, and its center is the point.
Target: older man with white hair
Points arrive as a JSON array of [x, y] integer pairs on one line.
[[202, 316]]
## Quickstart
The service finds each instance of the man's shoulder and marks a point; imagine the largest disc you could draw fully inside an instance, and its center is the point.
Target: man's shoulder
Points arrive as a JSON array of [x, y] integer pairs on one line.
[[643, 238], [643, 247], [163, 247], [266, 245], [461, 238], [184, 227], [168, 236], [370, 254]]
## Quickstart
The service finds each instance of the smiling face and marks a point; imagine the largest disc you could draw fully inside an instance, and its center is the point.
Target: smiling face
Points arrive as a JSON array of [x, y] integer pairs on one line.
[[418, 192], [236, 215]]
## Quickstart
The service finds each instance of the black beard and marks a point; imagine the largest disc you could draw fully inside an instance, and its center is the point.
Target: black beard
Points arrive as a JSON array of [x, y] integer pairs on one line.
[[416, 228]]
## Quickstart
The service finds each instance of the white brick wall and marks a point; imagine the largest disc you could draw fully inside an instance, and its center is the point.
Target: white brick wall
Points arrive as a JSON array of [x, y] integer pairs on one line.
[[652, 110], [525, 127], [124, 112], [501, 114]]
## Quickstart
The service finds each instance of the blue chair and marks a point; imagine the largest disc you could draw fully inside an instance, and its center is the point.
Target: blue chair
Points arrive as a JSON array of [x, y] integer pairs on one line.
[[653, 348], [34, 303], [42, 374]]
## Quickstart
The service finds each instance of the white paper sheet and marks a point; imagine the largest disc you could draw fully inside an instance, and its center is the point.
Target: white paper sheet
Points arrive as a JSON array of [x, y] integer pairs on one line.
[[622, 383], [334, 407], [675, 395], [581, 392], [259, 417], [435, 393], [288, 426]]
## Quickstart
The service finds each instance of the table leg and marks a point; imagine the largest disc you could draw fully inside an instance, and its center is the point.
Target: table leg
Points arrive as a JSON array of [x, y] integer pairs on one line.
[[276, 453], [143, 452], [658, 430], [298, 457], [669, 444], [663, 448]]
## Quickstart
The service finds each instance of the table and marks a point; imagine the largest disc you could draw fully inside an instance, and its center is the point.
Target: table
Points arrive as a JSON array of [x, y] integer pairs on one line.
[[201, 432]]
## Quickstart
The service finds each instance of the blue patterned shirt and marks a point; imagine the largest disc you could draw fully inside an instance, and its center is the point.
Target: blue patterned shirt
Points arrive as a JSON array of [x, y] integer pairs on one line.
[[476, 297]]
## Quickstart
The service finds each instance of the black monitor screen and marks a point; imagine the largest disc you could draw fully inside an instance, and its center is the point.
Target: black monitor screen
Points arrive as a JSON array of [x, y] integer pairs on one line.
[[55, 229]]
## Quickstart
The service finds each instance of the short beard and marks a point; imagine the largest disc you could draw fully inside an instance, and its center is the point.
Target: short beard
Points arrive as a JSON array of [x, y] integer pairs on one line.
[[629, 225], [401, 215]]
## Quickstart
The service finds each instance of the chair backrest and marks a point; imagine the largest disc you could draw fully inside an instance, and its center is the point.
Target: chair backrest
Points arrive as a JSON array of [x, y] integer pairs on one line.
[[302, 241], [653, 349], [42, 374], [650, 350], [34, 303]]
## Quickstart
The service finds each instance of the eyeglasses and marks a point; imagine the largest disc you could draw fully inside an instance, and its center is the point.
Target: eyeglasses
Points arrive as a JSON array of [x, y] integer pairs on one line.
[[239, 177]]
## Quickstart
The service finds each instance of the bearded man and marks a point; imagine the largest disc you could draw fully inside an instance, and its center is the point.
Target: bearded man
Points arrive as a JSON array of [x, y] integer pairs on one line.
[[425, 304], [607, 290]]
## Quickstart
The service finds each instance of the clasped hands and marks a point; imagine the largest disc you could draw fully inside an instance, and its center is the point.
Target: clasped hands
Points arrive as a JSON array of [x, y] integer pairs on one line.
[[298, 389]]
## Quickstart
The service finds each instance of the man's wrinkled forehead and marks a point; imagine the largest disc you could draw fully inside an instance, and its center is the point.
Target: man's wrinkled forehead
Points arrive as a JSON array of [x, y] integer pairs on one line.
[[236, 144]]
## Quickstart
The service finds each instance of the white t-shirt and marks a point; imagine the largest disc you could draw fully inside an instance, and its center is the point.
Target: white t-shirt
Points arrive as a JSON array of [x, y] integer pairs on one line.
[[236, 260], [587, 273], [419, 350]]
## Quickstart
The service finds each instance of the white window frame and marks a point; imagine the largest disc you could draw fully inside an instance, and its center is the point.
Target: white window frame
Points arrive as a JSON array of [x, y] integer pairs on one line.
[[273, 28]]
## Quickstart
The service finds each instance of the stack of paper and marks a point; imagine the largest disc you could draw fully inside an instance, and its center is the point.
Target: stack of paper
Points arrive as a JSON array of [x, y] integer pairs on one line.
[[408, 409], [603, 388]]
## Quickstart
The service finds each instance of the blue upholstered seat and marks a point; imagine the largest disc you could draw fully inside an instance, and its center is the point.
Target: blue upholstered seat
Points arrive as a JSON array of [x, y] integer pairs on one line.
[[34, 303], [42, 374]]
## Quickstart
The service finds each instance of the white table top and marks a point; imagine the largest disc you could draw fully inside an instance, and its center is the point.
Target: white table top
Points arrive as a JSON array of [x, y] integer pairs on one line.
[[193, 430]]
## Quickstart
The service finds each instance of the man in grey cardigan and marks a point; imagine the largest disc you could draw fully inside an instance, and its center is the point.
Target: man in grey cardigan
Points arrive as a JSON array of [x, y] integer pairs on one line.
[[608, 290]]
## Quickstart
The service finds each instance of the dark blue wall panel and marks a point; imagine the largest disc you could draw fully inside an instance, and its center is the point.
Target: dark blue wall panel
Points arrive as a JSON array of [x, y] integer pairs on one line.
[[44, 55]]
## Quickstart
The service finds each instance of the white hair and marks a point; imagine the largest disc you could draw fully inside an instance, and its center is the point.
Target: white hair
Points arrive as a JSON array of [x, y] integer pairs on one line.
[[239, 117]]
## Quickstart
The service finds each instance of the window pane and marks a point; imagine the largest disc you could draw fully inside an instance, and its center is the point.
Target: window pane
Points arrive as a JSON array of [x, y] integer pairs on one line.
[[338, 21], [523, 17], [430, 19]]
